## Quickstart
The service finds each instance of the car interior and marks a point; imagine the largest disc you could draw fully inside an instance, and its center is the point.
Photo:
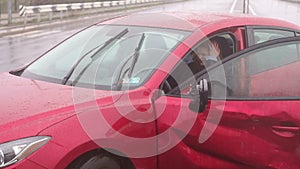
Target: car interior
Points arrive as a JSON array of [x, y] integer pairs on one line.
[[178, 79]]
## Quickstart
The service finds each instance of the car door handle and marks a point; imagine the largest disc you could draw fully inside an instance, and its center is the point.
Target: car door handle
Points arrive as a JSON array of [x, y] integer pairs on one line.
[[286, 131], [286, 128]]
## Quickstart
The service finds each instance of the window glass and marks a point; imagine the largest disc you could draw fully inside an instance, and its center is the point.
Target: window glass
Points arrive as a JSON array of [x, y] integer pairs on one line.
[[272, 58], [263, 35], [298, 33], [105, 56], [203, 55], [271, 72]]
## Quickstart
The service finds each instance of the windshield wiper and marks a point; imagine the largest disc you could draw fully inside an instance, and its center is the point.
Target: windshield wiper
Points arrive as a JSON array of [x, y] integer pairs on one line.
[[117, 85], [104, 45]]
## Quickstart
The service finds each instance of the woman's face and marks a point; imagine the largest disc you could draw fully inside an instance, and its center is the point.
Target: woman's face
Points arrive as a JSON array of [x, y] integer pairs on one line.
[[210, 49], [202, 52]]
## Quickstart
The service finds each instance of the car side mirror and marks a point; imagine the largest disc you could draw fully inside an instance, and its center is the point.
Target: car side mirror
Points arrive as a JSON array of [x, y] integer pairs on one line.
[[199, 93]]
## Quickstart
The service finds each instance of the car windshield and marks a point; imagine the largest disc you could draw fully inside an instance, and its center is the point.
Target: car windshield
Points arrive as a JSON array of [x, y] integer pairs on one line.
[[102, 56]]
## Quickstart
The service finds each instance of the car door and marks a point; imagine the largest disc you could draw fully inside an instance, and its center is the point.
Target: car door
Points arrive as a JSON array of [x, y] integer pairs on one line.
[[254, 122]]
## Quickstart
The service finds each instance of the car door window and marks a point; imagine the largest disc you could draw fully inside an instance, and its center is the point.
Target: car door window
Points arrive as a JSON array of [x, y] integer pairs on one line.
[[265, 34], [268, 72], [192, 63]]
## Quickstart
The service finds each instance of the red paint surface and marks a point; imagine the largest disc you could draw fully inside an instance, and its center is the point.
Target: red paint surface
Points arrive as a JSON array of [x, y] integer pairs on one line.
[[248, 135]]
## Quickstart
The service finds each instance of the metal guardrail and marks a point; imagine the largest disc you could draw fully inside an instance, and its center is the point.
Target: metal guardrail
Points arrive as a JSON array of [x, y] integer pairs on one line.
[[48, 12], [25, 10], [64, 15]]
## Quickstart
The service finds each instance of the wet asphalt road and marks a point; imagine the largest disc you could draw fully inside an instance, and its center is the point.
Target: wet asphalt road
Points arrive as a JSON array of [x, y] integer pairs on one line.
[[18, 49]]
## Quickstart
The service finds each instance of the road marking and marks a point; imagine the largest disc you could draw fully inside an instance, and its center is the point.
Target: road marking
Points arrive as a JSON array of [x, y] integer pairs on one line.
[[252, 10], [22, 34], [43, 34], [31, 34], [233, 6]]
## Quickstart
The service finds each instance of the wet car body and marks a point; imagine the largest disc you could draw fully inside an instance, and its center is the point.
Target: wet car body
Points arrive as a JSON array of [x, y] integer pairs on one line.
[[80, 122]]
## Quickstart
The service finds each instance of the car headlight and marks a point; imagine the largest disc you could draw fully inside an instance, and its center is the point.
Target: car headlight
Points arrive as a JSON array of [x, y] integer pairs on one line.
[[14, 151]]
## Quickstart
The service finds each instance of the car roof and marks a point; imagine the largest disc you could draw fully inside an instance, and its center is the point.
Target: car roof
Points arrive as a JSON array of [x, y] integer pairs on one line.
[[190, 21]]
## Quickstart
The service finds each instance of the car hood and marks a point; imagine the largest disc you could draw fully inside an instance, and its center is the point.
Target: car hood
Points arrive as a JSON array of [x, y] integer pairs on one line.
[[32, 105]]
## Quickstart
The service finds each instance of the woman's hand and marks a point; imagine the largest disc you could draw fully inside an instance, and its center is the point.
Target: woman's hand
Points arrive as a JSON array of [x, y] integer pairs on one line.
[[214, 49]]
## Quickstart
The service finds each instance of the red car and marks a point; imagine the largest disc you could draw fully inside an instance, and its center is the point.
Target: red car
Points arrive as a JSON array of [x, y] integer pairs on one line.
[[132, 92]]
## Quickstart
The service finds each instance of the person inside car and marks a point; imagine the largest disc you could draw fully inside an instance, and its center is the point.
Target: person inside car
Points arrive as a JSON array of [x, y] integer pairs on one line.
[[202, 57], [208, 53], [205, 55]]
